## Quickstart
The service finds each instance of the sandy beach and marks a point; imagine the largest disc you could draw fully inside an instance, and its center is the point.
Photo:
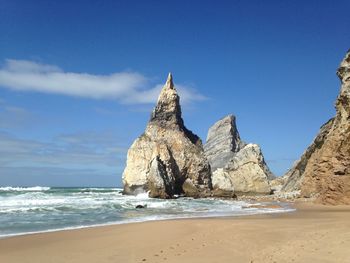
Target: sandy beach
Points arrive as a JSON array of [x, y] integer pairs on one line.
[[311, 234]]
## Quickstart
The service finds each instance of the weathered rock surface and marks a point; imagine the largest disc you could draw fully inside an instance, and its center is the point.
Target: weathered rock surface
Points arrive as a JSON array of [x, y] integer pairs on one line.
[[222, 184], [167, 159], [237, 167], [295, 175], [160, 184], [223, 141], [277, 183], [323, 172]]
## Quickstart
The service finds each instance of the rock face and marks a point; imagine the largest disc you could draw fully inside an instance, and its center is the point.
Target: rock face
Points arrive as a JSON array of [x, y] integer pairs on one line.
[[238, 168], [323, 171], [295, 175], [159, 183], [277, 184], [167, 159], [223, 141]]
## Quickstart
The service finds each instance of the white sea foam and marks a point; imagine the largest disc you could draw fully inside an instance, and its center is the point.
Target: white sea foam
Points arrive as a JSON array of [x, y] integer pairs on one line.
[[252, 211], [142, 196], [24, 189], [69, 208]]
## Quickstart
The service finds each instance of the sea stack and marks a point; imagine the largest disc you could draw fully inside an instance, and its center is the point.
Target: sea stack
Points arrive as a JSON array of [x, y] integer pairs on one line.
[[238, 168], [167, 159], [323, 171]]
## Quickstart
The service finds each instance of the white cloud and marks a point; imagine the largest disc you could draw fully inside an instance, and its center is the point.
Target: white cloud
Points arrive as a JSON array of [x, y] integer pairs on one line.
[[126, 87]]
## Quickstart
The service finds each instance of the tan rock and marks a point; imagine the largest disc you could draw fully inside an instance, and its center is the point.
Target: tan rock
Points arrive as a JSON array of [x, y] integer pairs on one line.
[[160, 183], [323, 172], [247, 170], [277, 183], [222, 184], [175, 147], [238, 168]]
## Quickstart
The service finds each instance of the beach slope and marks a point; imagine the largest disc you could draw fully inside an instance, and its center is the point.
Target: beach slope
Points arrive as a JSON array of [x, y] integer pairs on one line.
[[311, 234]]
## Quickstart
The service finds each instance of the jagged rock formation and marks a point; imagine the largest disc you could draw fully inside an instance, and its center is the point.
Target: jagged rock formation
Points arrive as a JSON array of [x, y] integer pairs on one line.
[[238, 168], [223, 141], [167, 159], [323, 172]]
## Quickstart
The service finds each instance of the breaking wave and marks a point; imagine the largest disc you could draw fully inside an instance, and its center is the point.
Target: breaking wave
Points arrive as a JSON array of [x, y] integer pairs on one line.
[[24, 189], [41, 209]]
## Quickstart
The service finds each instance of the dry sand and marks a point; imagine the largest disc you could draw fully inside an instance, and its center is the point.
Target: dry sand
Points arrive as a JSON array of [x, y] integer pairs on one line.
[[312, 234]]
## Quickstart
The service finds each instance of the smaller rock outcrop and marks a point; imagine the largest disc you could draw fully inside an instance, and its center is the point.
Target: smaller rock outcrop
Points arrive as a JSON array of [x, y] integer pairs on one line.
[[238, 168], [277, 184]]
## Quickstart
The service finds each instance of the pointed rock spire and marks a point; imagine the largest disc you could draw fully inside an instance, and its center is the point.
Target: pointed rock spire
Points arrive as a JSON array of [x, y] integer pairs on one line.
[[168, 110], [167, 113], [167, 158], [169, 82]]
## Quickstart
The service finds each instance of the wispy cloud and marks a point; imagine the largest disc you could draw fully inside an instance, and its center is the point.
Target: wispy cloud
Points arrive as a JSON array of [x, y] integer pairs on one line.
[[13, 116], [85, 150], [89, 158], [126, 87]]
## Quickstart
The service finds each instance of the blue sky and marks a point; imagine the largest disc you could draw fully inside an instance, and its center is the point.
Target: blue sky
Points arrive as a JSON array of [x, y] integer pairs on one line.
[[78, 79]]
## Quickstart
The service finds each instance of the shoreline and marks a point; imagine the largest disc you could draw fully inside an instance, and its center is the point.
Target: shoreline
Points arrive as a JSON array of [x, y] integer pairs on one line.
[[313, 233], [135, 221]]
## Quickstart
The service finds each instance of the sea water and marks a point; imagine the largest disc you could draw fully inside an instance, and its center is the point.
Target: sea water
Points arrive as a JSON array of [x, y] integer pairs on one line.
[[43, 209]]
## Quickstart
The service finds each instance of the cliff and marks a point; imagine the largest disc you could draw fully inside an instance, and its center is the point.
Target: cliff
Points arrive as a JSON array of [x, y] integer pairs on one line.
[[323, 171]]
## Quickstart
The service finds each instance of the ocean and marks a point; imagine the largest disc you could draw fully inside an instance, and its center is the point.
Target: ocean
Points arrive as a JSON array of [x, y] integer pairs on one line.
[[26, 210]]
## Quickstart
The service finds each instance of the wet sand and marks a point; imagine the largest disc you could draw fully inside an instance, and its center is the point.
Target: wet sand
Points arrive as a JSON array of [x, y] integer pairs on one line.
[[311, 234]]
